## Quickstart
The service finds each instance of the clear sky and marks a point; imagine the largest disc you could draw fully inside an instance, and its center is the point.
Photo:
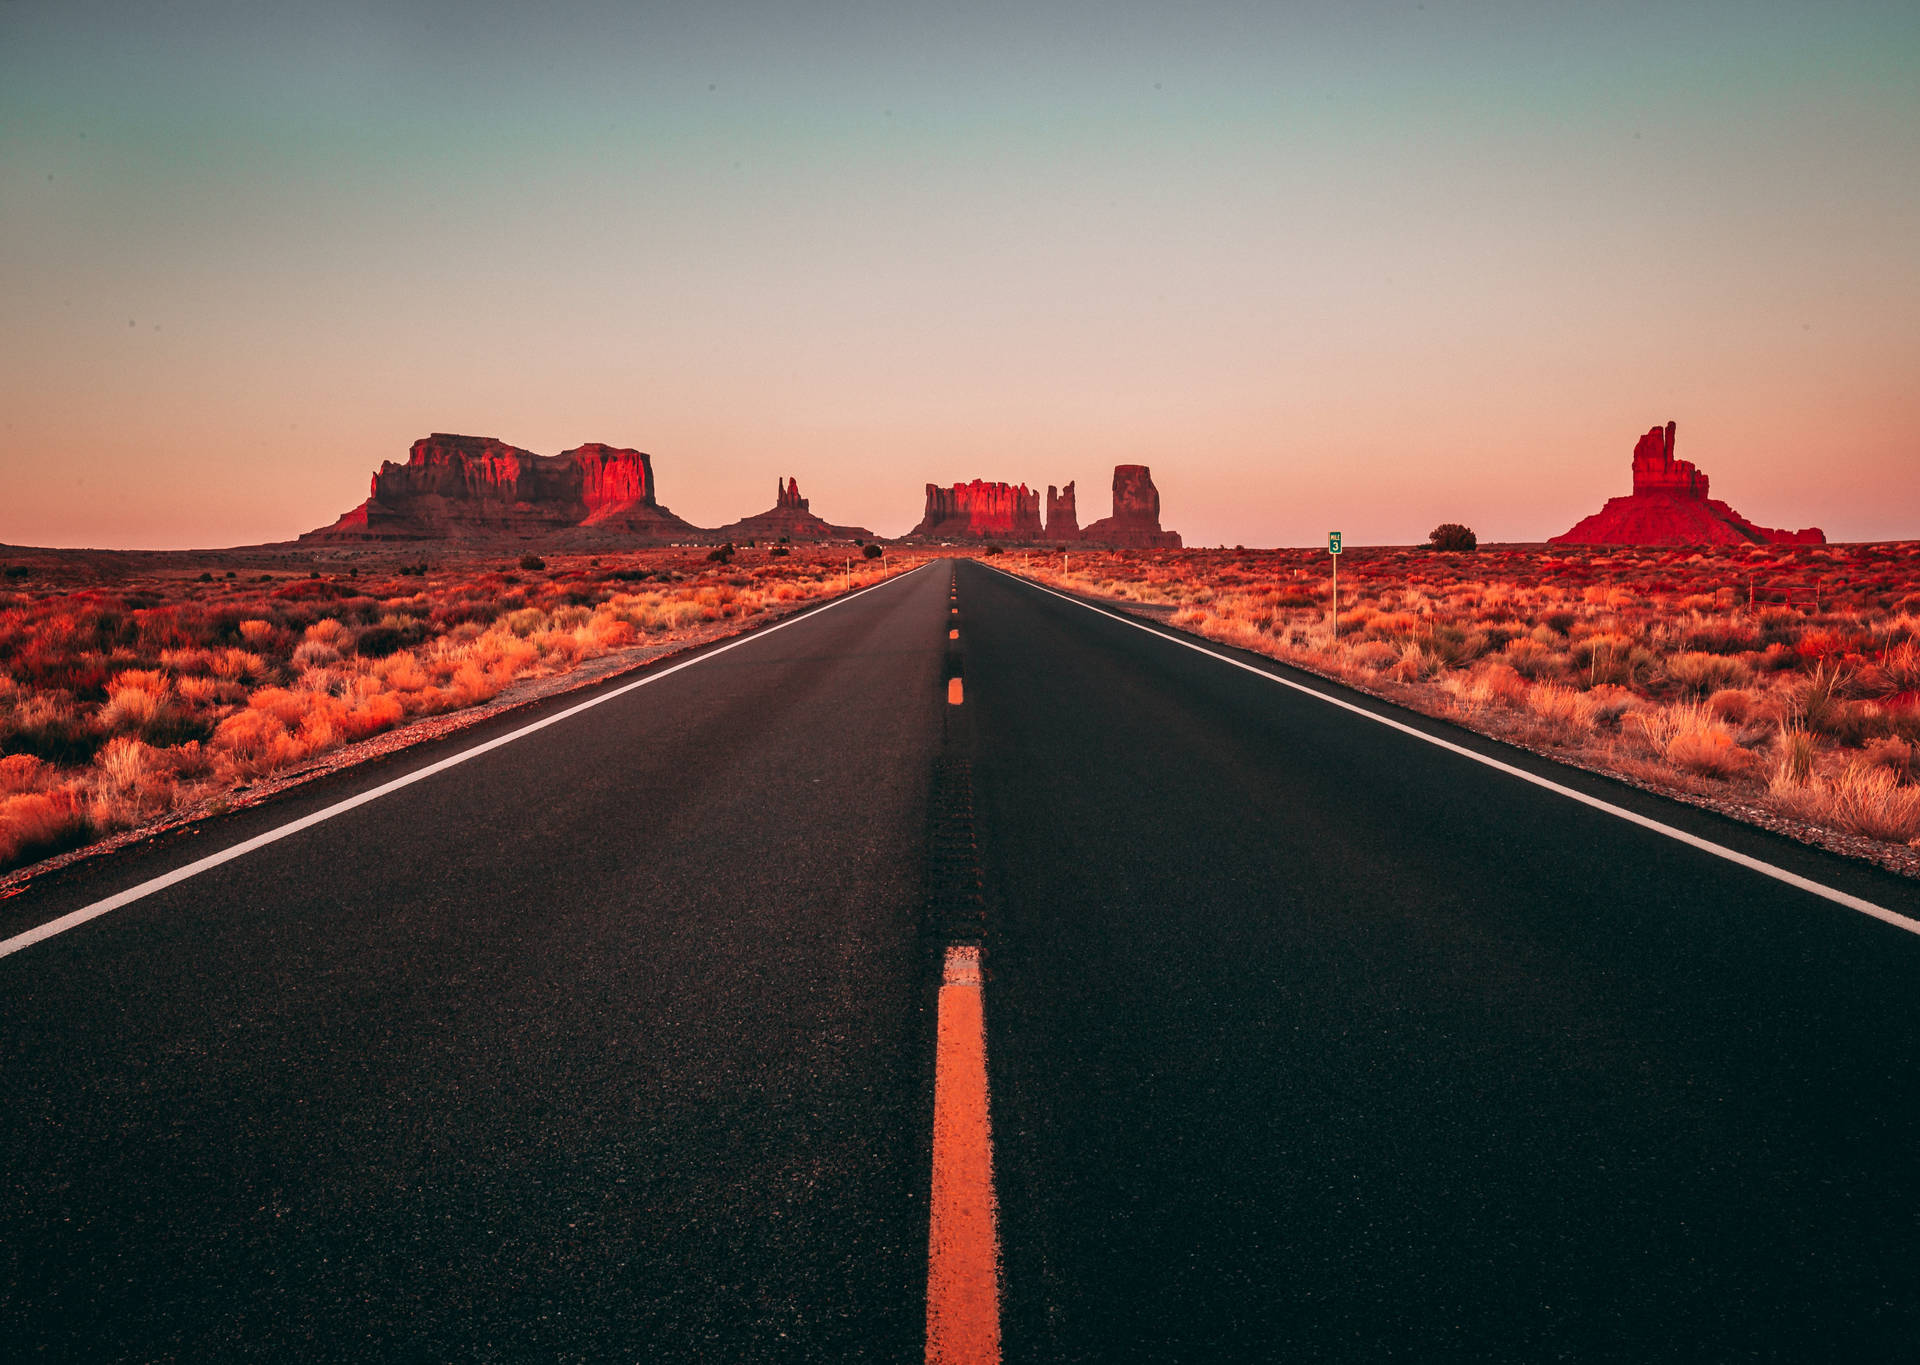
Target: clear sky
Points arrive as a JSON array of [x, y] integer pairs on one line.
[[1372, 266]]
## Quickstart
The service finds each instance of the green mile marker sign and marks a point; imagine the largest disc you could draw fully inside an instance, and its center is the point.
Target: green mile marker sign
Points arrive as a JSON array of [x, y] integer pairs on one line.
[[1333, 542]]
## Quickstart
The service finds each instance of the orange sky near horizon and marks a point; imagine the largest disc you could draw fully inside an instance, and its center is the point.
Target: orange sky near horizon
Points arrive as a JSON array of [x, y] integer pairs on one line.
[[1368, 267]]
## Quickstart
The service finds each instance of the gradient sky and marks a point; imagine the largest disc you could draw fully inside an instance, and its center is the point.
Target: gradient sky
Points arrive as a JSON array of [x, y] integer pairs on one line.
[[1372, 266]]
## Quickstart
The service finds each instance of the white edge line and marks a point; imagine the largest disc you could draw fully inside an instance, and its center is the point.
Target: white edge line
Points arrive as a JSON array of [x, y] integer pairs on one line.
[[1765, 869], [226, 855]]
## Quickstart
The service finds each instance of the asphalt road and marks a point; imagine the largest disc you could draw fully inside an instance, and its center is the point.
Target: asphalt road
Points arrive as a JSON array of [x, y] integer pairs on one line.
[[609, 1044], [1313, 1042], [1306, 1040]]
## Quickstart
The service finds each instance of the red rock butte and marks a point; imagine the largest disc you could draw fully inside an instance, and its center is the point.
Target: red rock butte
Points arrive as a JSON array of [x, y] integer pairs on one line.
[[982, 511], [1669, 506], [1135, 523], [476, 488]]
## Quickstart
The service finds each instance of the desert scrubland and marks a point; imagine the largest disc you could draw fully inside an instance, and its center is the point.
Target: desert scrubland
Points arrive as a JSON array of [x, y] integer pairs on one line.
[[1779, 684], [127, 696]]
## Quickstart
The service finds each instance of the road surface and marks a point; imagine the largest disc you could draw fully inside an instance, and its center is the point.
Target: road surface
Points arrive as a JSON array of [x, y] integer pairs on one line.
[[1304, 1038]]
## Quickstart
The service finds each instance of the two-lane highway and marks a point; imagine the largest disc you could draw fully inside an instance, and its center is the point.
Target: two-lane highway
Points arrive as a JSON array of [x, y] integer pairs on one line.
[[1299, 1038]]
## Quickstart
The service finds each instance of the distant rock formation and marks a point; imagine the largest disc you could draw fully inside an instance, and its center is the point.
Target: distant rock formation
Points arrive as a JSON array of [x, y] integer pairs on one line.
[[475, 487], [1669, 506], [790, 517], [1135, 523], [1063, 521], [980, 511]]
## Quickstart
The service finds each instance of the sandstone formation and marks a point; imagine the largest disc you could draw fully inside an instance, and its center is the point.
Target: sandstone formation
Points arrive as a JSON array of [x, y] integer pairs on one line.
[[789, 517], [1669, 506], [475, 487], [1003, 511], [980, 511], [1063, 520], [1135, 523]]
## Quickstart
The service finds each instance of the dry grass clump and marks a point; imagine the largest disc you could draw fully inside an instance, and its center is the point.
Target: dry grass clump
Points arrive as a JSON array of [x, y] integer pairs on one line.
[[1715, 666], [1861, 799], [121, 702]]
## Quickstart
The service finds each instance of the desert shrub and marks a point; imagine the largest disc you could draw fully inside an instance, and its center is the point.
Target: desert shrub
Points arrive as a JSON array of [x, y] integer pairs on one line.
[[1694, 740], [1699, 672], [1894, 754], [50, 728], [779, 551], [1797, 752], [1558, 708], [315, 654], [387, 638], [1374, 654], [1730, 703], [329, 630], [39, 824], [22, 773], [721, 554], [1415, 663], [1496, 682], [1452, 536], [1863, 799], [527, 621], [532, 563], [198, 691], [1531, 659], [874, 551], [1719, 637]]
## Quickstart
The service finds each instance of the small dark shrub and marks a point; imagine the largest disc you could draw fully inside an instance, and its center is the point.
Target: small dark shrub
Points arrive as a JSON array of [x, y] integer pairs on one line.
[[779, 551], [993, 549], [376, 642], [874, 552], [1451, 535], [63, 737], [721, 554], [532, 563]]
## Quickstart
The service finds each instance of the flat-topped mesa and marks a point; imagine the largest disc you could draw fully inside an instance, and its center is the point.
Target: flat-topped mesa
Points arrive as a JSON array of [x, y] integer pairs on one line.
[[1135, 523], [1669, 506], [472, 487], [1063, 519], [790, 519], [980, 511]]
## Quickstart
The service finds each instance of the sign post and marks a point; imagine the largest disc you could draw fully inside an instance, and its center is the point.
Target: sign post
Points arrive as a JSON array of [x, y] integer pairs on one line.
[[1333, 548]]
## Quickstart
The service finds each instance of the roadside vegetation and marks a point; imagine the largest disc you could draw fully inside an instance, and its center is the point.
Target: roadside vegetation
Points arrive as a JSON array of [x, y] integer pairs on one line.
[[1783, 680], [121, 702]]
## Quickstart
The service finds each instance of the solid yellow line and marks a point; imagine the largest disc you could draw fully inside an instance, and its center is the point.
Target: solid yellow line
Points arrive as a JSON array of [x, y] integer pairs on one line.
[[963, 1244]]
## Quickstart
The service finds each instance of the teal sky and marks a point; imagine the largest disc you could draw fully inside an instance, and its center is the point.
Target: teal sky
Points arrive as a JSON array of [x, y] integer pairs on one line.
[[1374, 266]]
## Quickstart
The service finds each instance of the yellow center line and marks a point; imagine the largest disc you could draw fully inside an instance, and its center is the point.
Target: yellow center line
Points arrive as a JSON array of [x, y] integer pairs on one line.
[[963, 1245], [955, 694]]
